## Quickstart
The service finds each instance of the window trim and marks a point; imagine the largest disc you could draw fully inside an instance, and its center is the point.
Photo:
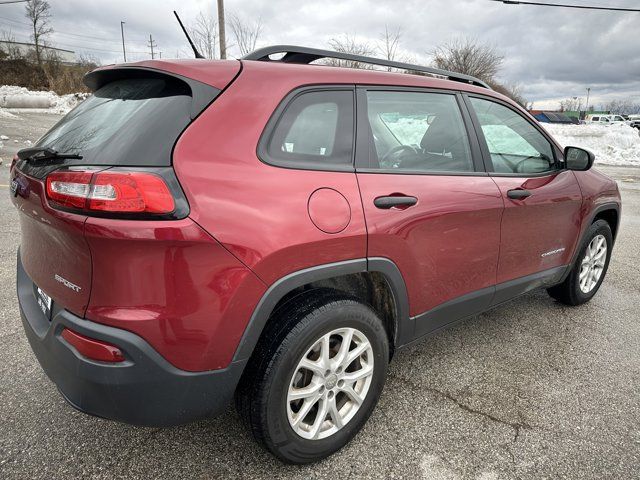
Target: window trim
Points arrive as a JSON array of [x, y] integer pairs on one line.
[[268, 131], [486, 155], [362, 133]]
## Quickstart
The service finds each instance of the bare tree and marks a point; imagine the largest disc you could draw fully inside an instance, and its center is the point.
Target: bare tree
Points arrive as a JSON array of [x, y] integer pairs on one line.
[[573, 104], [245, 33], [622, 107], [349, 44], [468, 56], [514, 92], [465, 55], [9, 50], [39, 14], [204, 32], [390, 41]]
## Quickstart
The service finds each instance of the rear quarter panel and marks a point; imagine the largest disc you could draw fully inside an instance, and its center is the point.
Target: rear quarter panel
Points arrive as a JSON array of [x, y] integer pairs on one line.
[[257, 211]]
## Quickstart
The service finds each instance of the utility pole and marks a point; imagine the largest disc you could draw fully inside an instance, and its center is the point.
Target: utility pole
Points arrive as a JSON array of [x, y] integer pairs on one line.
[[223, 39], [124, 52], [152, 45], [586, 109]]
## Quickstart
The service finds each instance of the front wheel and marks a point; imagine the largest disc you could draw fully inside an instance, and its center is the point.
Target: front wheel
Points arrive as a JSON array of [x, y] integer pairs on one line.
[[590, 268], [316, 376]]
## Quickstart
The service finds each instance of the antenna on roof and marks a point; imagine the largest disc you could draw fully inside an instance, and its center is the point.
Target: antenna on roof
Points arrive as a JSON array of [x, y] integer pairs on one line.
[[193, 47]]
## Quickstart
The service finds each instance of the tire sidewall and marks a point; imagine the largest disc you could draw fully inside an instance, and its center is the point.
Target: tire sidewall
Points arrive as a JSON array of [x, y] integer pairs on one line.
[[290, 446], [598, 228]]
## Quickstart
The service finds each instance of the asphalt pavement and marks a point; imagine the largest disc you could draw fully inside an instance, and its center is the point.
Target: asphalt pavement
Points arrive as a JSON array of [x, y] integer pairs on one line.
[[532, 389]]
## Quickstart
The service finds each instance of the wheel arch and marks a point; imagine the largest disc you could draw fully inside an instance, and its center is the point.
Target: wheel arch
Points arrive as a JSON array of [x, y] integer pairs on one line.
[[380, 277], [606, 211]]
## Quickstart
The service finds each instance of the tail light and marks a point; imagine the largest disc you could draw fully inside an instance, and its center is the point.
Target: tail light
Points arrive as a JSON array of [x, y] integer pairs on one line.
[[113, 192]]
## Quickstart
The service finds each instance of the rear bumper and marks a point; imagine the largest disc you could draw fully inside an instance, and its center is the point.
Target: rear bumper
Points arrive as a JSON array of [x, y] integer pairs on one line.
[[145, 389]]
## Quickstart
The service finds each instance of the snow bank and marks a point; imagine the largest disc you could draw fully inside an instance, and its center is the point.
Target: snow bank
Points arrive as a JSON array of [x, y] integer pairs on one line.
[[613, 145], [19, 97]]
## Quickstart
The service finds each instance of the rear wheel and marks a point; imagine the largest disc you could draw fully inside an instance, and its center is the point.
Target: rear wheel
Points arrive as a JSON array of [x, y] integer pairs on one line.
[[590, 268], [315, 377]]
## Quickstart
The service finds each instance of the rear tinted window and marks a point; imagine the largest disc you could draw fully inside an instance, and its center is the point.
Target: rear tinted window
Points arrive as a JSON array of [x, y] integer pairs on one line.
[[315, 130], [132, 121]]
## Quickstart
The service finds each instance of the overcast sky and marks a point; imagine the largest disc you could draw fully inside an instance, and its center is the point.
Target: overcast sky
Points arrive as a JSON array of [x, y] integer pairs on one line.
[[553, 53]]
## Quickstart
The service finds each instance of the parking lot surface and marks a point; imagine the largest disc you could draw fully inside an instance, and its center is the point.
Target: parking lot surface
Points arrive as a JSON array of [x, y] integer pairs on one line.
[[532, 389]]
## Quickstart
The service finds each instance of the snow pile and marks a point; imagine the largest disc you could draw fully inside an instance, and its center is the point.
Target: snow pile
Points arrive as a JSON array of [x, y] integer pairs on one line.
[[20, 97], [613, 145]]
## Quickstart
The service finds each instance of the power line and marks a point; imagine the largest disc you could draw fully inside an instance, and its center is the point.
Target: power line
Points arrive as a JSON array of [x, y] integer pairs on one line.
[[564, 5], [83, 47], [57, 32]]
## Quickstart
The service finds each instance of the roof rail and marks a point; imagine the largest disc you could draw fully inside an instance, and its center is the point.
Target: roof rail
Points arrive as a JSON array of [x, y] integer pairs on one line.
[[305, 55]]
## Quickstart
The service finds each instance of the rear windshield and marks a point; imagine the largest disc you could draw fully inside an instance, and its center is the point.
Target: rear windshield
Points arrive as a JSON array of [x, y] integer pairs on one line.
[[132, 122]]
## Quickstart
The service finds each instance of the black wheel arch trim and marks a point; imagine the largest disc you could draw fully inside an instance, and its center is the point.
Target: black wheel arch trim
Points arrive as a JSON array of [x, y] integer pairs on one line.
[[403, 325], [590, 219]]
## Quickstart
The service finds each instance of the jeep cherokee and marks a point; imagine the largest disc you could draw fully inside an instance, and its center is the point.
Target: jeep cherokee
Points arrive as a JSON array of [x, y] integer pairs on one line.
[[272, 231]]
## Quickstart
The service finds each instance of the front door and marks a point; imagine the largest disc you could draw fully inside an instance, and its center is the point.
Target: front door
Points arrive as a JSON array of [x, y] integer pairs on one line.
[[541, 221], [429, 206]]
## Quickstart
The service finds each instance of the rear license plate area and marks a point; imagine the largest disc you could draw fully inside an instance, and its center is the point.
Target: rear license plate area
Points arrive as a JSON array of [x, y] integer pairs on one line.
[[44, 301]]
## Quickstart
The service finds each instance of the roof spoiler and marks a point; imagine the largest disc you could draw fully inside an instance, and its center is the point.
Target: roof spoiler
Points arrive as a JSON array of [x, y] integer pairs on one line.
[[305, 55]]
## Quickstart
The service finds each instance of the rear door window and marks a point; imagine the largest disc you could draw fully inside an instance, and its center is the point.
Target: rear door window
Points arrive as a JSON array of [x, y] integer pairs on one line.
[[417, 132], [314, 131]]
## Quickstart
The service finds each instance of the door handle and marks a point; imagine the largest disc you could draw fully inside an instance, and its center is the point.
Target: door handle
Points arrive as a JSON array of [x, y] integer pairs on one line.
[[518, 194], [391, 201]]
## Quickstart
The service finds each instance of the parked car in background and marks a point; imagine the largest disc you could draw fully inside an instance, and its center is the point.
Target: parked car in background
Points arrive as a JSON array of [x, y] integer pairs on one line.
[[275, 231], [634, 121], [607, 119]]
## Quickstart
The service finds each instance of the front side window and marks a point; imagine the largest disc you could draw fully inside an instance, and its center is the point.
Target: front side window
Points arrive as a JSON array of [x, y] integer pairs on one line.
[[416, 131], [314, 131], [514, 144]]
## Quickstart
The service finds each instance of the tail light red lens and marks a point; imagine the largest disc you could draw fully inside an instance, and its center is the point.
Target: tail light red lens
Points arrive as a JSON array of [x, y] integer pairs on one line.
[[92, 348], [110, 191]]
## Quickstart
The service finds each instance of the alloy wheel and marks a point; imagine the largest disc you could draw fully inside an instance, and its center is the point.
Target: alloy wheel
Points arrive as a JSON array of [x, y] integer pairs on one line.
[[592, 264], [330, 383]]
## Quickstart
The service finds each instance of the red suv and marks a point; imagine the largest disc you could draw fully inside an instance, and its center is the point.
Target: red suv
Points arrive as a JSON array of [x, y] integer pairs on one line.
[[274, 231]]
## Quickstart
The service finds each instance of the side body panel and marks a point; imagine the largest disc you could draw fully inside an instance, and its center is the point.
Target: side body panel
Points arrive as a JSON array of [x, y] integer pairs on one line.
[[447, 244], [538, 232]]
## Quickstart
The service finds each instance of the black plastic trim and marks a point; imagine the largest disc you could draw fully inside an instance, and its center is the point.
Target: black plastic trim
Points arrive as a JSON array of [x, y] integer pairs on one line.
[[280, 288], [479, 301], [599, 209], [145, 389], [305, 55]]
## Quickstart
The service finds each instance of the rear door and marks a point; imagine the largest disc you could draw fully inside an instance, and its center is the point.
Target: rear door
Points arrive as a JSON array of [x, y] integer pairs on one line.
[[428, 203], [541, 221]]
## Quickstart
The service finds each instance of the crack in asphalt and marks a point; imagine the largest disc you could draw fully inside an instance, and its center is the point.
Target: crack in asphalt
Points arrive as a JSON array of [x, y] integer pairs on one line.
[[516, 426]]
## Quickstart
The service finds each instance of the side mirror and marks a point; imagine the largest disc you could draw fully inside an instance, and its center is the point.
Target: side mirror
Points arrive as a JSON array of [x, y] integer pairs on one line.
[[578, 158]]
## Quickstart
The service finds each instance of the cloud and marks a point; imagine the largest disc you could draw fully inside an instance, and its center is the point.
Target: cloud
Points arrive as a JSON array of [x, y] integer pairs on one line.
[[552, 53]]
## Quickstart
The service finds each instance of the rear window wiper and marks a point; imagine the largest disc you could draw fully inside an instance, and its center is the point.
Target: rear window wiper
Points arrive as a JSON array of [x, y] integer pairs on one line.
[[37, 154]]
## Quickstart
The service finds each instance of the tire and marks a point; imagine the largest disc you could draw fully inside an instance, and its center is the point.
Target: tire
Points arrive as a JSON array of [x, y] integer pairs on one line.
[[262, 395], [571, 292]]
